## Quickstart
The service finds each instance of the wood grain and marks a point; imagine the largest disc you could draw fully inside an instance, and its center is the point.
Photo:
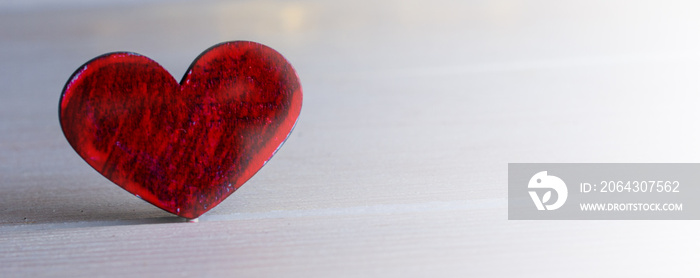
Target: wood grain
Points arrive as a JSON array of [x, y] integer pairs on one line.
[[398, 164]]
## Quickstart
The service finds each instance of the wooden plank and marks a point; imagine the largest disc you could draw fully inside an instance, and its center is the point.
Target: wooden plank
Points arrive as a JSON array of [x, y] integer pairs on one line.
[[398, 165]]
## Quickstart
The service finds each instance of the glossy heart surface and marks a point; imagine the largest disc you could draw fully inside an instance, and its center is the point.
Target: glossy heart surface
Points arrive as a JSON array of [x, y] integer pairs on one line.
[[182, 147]]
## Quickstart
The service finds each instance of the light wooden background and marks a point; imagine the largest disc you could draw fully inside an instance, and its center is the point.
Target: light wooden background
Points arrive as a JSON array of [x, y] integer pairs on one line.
[[398, 165]]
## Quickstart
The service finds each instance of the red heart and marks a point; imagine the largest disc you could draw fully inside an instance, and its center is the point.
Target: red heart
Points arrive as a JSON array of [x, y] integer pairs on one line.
[[182, 147]]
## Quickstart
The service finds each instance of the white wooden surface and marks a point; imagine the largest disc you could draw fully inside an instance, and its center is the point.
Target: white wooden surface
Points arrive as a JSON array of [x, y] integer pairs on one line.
[[398, 165]]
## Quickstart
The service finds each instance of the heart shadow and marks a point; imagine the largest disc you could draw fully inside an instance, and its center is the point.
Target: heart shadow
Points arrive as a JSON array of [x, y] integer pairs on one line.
[[99, 205]]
